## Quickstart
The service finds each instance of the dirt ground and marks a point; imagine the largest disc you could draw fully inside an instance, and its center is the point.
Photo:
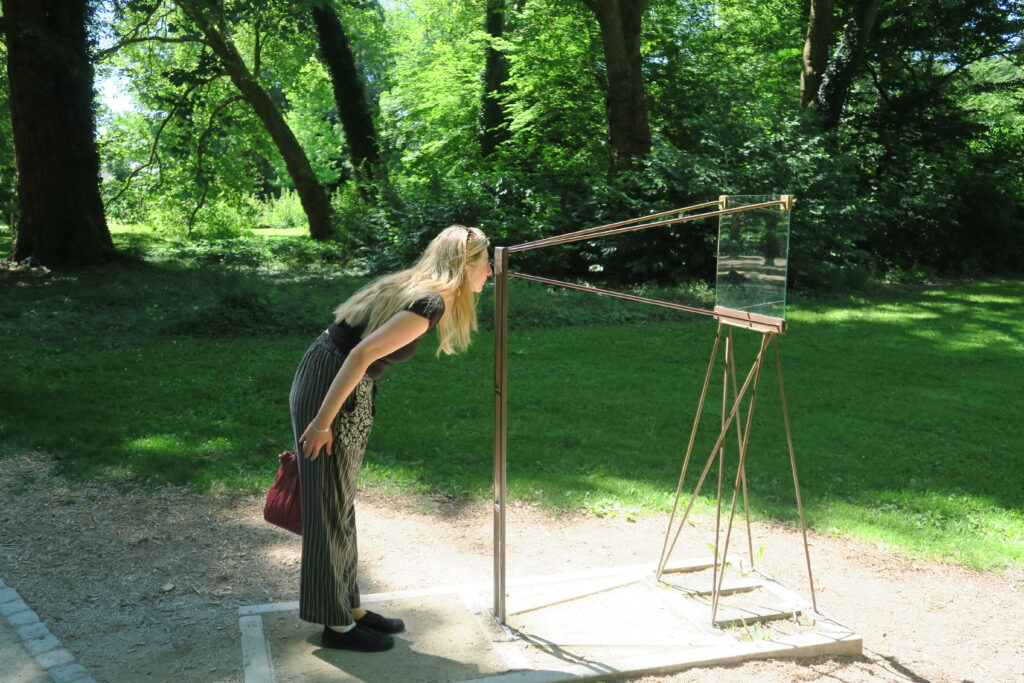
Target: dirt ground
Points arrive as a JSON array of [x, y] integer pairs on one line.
[[146, 586]]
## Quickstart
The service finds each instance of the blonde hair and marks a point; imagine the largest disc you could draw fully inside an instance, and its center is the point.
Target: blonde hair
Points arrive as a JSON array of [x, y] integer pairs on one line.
[[440, 270]]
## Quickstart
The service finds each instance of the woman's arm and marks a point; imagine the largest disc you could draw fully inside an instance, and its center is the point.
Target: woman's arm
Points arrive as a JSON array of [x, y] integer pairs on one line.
[[403, 328]]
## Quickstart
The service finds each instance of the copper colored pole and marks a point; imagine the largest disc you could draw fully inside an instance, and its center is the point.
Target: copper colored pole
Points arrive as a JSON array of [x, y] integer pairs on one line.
[[721, 462], [500, 425], [627, 297], [576, 237], [588, 231], [711, 459], [689, 450], [796, 479], [743, 472], [740, 318]]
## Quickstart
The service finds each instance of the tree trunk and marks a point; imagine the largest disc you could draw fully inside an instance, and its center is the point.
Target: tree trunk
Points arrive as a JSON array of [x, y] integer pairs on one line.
[[628, 128], [51, 96], [846, 62], [494, 118], [314, 200], [819, 34], [349, 95]]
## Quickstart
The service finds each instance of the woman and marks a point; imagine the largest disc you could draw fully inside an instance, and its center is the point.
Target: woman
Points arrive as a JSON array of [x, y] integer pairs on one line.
[[332, 410]]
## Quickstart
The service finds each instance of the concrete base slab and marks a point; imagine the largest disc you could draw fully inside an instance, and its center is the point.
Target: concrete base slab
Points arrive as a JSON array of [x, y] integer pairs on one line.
[[443, 642], [580, 626]]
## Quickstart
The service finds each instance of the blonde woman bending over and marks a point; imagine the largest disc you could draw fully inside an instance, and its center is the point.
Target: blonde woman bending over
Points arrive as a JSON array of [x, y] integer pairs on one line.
[[332, 406]]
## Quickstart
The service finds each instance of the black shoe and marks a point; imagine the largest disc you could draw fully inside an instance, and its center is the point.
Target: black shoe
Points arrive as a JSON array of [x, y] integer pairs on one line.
[[360, 639], [381, 624]]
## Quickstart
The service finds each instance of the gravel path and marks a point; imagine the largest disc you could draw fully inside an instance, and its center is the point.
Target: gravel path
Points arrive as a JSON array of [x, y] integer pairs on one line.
[[146, 586]]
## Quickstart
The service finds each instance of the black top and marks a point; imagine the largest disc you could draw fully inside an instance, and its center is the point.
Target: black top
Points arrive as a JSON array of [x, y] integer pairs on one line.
[[345, 336]]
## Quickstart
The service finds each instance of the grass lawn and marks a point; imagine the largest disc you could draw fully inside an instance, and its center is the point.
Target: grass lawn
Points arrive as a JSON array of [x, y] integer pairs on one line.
[[905, 403]]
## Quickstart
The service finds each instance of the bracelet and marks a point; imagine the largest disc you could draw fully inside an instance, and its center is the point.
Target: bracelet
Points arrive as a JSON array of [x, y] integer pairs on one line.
[[315, 429]]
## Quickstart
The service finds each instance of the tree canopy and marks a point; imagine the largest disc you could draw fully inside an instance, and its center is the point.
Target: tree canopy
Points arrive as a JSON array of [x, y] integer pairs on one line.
[[898, 126]]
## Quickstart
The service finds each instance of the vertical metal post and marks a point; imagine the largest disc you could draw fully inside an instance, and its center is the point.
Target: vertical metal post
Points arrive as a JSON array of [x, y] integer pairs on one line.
[[796, 478], [719, 559], [737, 402], [744, 440], [500, 431], [731, 361], [665, 549]]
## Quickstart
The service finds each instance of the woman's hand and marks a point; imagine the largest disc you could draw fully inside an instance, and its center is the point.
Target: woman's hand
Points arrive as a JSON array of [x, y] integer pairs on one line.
[[313, 439]]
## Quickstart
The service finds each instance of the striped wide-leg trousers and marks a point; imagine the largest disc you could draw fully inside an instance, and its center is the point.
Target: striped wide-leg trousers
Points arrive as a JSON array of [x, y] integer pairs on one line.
[[327, 584]]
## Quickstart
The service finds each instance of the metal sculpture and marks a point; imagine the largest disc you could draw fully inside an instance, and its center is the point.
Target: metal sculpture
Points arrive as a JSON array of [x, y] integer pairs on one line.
[[750, 294]]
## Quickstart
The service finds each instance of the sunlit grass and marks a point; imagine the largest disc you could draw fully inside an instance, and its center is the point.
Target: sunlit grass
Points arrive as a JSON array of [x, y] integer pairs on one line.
[[130, 228], [297, 231], [904, 404], [973, 530], [140, 228], [903, 438]]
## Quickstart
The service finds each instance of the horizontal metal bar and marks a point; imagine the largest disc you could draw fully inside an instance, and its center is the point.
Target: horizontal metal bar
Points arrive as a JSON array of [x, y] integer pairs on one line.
[[766, 303], [587, 231], [739, 317], [617, 295], [576, 236]]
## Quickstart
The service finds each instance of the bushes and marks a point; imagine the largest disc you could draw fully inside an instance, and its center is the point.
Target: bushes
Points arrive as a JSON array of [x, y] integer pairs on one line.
[[252, 250], [284, 211], [514, 202], [242, 311], [197, 294]]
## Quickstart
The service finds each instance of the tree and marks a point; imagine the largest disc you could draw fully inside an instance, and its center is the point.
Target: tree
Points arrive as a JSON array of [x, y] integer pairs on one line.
[[50, 74], [815, 58], [628, 127], [846, 62], [922, 170], [943, 103], [314, 200], [349, 95], [825, 81], [494, 118]]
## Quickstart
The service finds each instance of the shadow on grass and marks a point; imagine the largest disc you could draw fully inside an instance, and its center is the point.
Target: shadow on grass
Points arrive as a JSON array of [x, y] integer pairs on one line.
[[904, 404], [196, 412]]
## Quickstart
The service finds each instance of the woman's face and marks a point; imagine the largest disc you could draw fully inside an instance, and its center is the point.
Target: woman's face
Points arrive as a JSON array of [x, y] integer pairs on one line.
[[477, 271]]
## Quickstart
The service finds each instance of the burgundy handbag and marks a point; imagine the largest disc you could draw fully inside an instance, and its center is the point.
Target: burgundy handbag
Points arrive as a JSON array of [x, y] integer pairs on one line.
[[284, 502]]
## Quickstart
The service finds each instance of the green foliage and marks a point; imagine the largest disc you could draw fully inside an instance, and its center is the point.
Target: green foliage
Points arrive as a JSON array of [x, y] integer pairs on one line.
[[248, 251], [922, 179], [312, 116], [282, 211], [936, 146], [555, 55], [429, 114]]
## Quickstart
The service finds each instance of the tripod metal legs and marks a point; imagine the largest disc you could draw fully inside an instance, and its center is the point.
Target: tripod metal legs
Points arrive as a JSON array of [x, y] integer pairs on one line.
[[729, 414], [796, 478]]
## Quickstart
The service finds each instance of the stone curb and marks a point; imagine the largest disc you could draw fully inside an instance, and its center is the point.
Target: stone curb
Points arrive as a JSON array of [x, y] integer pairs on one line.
[[58, 663]]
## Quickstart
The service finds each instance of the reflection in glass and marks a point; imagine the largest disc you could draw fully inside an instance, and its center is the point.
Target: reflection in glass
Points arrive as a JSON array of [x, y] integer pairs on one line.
[[753, 256]]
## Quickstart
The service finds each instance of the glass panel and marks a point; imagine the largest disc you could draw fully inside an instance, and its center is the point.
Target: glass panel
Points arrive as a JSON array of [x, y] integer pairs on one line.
[[753, 257]]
